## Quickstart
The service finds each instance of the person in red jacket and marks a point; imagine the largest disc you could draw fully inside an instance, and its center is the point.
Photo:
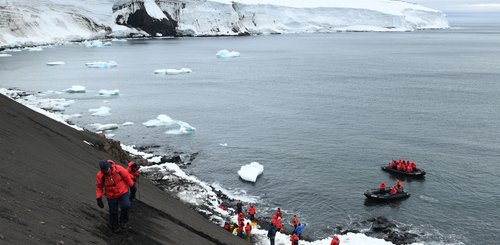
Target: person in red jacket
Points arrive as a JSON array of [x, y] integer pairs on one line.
[[295, 221], [335, 240], [294, 239], [241, 218], [115, 180], [391, 164], [240, 228], [382, 186], [251, 212], [133, 170], [393, 190], [399, 186], [278, 213], [248, 229]]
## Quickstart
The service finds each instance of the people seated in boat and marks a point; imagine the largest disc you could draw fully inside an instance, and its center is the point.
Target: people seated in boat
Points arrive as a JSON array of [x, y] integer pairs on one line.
[[382, 186], [393, 190], [399, 186], [392, 164], [413, 165], [409, 169]]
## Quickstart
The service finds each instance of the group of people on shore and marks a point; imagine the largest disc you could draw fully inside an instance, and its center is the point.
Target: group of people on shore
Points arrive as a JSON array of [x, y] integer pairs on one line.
[[276, 225], [114, 181], [395, 189], [403, 165]]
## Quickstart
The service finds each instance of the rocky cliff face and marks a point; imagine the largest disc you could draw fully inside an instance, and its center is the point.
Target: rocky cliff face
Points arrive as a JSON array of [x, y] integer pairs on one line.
[[134, 14]]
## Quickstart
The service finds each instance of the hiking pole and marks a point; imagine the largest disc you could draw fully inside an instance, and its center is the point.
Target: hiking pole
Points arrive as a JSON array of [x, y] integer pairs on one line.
[[138, 191]]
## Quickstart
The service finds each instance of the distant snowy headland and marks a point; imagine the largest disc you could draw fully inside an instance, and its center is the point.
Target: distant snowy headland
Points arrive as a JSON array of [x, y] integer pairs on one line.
[[25, 23]]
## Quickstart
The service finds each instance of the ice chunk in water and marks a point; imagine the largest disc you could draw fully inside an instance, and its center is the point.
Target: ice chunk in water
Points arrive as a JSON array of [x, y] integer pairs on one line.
[[161, 120], [251, 171], [227, 54], [101, 111], [103, 127], [185, 128], [5, 55], [101, 64], [55, 63], [76, 89], [105, 92], [173, 71]]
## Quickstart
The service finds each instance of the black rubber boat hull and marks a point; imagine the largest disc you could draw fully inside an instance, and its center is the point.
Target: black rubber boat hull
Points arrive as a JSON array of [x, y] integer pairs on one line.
[[376, 195], [416, 173]]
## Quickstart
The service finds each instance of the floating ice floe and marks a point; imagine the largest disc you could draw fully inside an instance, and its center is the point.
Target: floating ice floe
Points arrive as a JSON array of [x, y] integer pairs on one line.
[[105, 127], [101, 111], [227, 54], [101, 64], [5, 55], [127, 124], [96, 44], [76, 89], [55, 63], [161, 120], [104, 92], [251, 171], [185, 128], [223, 144], [118, 40], [173, 71], [36, 49]]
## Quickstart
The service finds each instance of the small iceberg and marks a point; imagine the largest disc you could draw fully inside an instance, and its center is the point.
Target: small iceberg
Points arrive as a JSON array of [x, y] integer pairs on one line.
[[118, 40], [173, 71], [5, 55], [101, 111], [161, 120], [35, 49], [251, 171], [185, 128], [104, 127], [54, 104], [104, 92], [227, 54], [96, 44], [127, 124], [76, 89], [101, 64], [55, 63]]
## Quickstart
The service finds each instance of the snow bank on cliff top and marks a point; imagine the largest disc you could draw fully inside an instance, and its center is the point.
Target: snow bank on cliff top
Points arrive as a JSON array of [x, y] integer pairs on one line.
[[384, 6]]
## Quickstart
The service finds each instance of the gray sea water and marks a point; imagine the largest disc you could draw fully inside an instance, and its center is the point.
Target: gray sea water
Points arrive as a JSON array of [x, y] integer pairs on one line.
[[321, 112]]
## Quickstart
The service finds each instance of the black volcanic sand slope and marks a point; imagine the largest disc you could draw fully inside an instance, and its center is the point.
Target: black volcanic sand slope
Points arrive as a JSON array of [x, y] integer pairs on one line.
[[47, 190]]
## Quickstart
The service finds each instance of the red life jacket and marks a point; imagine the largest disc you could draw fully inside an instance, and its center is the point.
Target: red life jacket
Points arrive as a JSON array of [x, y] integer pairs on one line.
[[393, 191], [116, 182], [391, 164], [294, 238], [382, 186], [251, 210], [295, 221], [248, 228], [335, 241]]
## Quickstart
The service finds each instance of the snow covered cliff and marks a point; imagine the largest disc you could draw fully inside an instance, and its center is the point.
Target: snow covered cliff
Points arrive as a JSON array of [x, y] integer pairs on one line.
[[24, 22]]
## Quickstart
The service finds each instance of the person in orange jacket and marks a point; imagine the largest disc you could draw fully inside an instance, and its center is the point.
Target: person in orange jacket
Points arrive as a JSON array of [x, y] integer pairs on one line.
[[133, 170], [294, 239], [335, 240], [248, 229], [115, 180], [251, 212], [295, 221]]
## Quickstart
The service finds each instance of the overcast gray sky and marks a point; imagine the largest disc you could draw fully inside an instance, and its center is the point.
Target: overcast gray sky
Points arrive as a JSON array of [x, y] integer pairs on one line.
[[461, 5]]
